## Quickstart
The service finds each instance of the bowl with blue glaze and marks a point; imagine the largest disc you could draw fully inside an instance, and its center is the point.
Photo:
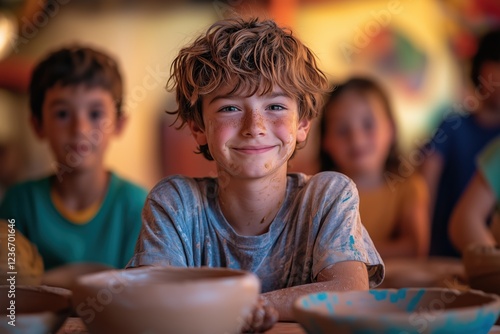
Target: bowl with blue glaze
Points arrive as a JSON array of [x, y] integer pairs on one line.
[[403, 311]]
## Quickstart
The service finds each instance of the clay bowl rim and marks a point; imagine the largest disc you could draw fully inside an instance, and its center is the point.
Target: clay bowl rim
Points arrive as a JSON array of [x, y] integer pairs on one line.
[[94, 280], [390, 315], [62, 292]]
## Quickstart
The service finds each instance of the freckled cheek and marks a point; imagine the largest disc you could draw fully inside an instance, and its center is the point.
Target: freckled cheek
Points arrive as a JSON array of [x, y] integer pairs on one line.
[[219, 133]]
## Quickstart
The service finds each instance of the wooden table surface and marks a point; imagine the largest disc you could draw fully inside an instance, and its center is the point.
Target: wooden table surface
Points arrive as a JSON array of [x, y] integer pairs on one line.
[[76, 326]]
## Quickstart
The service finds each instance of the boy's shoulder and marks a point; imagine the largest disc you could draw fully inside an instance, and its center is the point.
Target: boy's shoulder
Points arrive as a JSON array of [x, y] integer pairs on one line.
[[30, 186], [321, 180], [126, 189], [183, 185]]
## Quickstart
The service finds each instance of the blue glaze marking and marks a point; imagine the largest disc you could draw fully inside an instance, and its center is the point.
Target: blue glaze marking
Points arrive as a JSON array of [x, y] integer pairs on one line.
[[330, 308], [335, 299], [398, 295], [322, 296], [305, 303], [349, 302], [412, 304], [379, 294]]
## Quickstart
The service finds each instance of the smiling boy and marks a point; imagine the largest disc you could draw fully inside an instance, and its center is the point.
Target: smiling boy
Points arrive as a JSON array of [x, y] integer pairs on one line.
[[248, 90], [83, 212]]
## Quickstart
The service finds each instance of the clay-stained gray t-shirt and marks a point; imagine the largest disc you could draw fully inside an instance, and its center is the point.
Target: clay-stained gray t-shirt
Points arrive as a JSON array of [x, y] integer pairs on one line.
[[317, 226]]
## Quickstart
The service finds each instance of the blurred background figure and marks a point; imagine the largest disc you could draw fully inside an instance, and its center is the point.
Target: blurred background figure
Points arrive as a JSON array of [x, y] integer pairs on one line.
[[82, 212], [480, 200], [452, 152], [358, 138]]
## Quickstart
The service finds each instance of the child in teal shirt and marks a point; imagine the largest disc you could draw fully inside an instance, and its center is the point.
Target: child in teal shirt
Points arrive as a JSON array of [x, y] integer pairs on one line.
[[82, 213]]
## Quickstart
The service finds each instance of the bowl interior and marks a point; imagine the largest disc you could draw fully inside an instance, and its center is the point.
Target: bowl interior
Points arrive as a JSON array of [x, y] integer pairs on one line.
[[35, 299], [389, 302]]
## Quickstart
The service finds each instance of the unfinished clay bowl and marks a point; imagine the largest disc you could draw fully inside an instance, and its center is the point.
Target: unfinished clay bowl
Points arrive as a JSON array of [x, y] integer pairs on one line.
[[38, 309], [166, 300], [423, 273], [482, 265], [65, 276], [412, 310]]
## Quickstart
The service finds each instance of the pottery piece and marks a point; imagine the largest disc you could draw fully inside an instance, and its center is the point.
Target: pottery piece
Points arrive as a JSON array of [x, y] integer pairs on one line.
[[28, 262], [166, 300], [65, 276], [440, 272], [412, 310], [38, 309], [482, 265]]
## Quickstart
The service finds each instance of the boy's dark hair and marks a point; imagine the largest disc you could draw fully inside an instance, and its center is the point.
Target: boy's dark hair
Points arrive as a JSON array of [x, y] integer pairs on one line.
[[74, 66], [487, 50], [361, 86], [253, 56]]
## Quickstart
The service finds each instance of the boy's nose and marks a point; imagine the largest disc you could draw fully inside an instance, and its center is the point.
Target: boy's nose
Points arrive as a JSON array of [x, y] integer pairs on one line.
[[81, 125], [253, 124]]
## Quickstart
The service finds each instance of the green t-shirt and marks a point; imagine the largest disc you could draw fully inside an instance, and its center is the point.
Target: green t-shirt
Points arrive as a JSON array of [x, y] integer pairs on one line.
[[108, 238], [489, 165]]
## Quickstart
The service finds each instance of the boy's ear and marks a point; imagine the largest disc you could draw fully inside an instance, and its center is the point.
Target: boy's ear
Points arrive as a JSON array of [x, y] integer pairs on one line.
[[36, 124], [121, 122], [198, 133], [303, 130]]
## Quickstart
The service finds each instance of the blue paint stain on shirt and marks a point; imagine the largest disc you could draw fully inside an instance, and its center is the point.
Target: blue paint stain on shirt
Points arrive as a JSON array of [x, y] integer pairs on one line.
[[351, 242], [348, 197]]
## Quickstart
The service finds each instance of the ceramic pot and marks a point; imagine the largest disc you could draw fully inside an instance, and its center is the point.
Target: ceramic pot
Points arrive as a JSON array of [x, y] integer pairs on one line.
[[412, 310], [38, 309], [65, 276], [166, 300], [482, 265]]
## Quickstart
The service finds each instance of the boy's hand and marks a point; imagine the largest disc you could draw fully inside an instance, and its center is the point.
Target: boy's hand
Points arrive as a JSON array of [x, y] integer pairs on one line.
[[263, 317]]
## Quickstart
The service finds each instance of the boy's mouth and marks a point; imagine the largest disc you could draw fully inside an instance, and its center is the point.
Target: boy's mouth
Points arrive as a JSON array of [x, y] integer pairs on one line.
[[81, 148], [253, 149]]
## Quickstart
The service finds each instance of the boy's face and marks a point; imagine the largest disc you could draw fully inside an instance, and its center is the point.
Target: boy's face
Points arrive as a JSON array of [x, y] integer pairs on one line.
[[78, 123], [490, 73], [250, 136], [358, 133]]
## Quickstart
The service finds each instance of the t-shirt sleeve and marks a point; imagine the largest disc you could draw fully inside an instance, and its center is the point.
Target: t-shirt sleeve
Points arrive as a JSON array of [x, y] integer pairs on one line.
[[10, 208], [136, 199], [163, 239], [489, 165], [342, 237]]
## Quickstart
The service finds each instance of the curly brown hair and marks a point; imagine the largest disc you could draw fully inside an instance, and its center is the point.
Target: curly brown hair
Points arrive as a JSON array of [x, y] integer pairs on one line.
[[253, 55]]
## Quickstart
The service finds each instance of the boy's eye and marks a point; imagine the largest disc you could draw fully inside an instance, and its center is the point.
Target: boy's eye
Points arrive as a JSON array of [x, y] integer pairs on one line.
[[95, 114], [61, 114], [368, 124], [342, 131], [276, 107], [229, 109]]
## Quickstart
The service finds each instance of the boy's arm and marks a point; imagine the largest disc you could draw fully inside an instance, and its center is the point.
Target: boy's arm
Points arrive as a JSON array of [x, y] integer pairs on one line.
[[342, 276], [468, 220], [413, 223]]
